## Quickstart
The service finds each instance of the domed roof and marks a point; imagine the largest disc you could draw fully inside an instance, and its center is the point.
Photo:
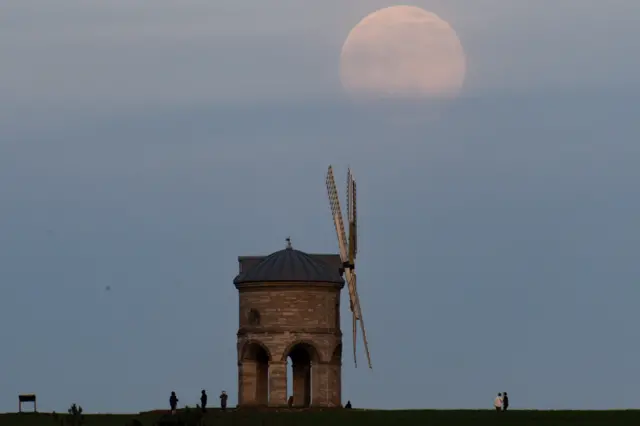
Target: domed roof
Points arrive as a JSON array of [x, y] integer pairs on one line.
[[290, 265]]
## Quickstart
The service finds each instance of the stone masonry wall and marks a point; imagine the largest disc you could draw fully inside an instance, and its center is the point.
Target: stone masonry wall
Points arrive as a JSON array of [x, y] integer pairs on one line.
[[290, 314]]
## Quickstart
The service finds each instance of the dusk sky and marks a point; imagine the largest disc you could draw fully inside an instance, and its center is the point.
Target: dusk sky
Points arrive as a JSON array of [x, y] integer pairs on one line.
[[145, 145]]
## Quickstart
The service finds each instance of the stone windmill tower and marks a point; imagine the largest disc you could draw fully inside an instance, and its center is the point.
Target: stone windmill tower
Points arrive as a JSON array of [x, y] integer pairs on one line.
[[289, 309]]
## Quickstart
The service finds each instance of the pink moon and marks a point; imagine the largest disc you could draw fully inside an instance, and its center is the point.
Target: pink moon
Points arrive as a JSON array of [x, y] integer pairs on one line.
[[402, 52]]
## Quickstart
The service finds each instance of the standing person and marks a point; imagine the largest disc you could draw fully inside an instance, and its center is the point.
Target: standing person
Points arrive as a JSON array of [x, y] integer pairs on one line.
[[203, 401], [505, 402], [223, 401], [497, 403], [173, 402]]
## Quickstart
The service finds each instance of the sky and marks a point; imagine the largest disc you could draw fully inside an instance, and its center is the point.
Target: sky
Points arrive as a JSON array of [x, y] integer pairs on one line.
[[144, 146]]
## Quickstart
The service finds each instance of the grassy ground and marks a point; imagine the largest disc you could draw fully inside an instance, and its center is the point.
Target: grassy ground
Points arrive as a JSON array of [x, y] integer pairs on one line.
[[355, 418]]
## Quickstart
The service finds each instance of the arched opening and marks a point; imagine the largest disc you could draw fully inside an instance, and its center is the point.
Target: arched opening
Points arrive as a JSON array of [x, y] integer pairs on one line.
[[301, 358], [255, 375], [336, 357], [254, 317]]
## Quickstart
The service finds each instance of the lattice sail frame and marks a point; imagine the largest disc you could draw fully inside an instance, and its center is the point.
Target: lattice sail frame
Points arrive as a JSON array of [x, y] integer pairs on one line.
[[348, 253], [352, 217]]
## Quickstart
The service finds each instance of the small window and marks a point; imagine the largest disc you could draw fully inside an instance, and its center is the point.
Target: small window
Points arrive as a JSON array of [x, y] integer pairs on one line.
[[254, 317]]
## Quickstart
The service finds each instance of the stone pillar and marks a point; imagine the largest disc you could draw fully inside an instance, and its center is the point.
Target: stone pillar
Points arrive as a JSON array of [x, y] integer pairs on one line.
[[240, 384], [277, 383], [262, 383], [320, 383], [307, 385], [247, 375], [335, 383], [301, 385]]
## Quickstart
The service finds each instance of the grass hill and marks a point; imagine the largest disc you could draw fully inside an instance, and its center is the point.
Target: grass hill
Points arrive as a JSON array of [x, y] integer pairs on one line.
[[342, 417]]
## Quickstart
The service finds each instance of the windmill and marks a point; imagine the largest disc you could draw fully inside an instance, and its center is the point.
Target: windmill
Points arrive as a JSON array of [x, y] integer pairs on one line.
[[348, 250]]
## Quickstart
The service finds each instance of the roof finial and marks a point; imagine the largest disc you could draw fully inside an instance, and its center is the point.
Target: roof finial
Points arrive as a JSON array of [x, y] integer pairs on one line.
[[289, 243]]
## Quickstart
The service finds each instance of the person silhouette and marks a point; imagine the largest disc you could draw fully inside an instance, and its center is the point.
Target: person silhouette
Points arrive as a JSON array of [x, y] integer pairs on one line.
[[348, 406], [497, 402], [223, 401], [173, 402], [203, 401], [505, 401]]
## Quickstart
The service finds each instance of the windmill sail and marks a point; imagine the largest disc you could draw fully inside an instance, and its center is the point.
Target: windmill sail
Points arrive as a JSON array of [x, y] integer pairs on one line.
[[348, 252], [337, 214], [351, 217]]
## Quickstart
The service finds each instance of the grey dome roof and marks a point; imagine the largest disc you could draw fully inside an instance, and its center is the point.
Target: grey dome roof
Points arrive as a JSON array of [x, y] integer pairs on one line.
[[290, 265]]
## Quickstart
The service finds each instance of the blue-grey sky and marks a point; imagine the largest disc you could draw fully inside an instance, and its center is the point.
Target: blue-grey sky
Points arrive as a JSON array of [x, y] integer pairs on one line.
[[145, 145]]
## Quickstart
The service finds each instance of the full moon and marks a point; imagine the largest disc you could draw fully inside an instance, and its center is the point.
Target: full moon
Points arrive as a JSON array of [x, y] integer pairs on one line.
[[402, 52]]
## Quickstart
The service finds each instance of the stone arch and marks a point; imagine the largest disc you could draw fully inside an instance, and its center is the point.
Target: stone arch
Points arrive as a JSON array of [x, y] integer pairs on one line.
[[314, 354], [336, 355], [254, 373], [250, 346], [305, 358]]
